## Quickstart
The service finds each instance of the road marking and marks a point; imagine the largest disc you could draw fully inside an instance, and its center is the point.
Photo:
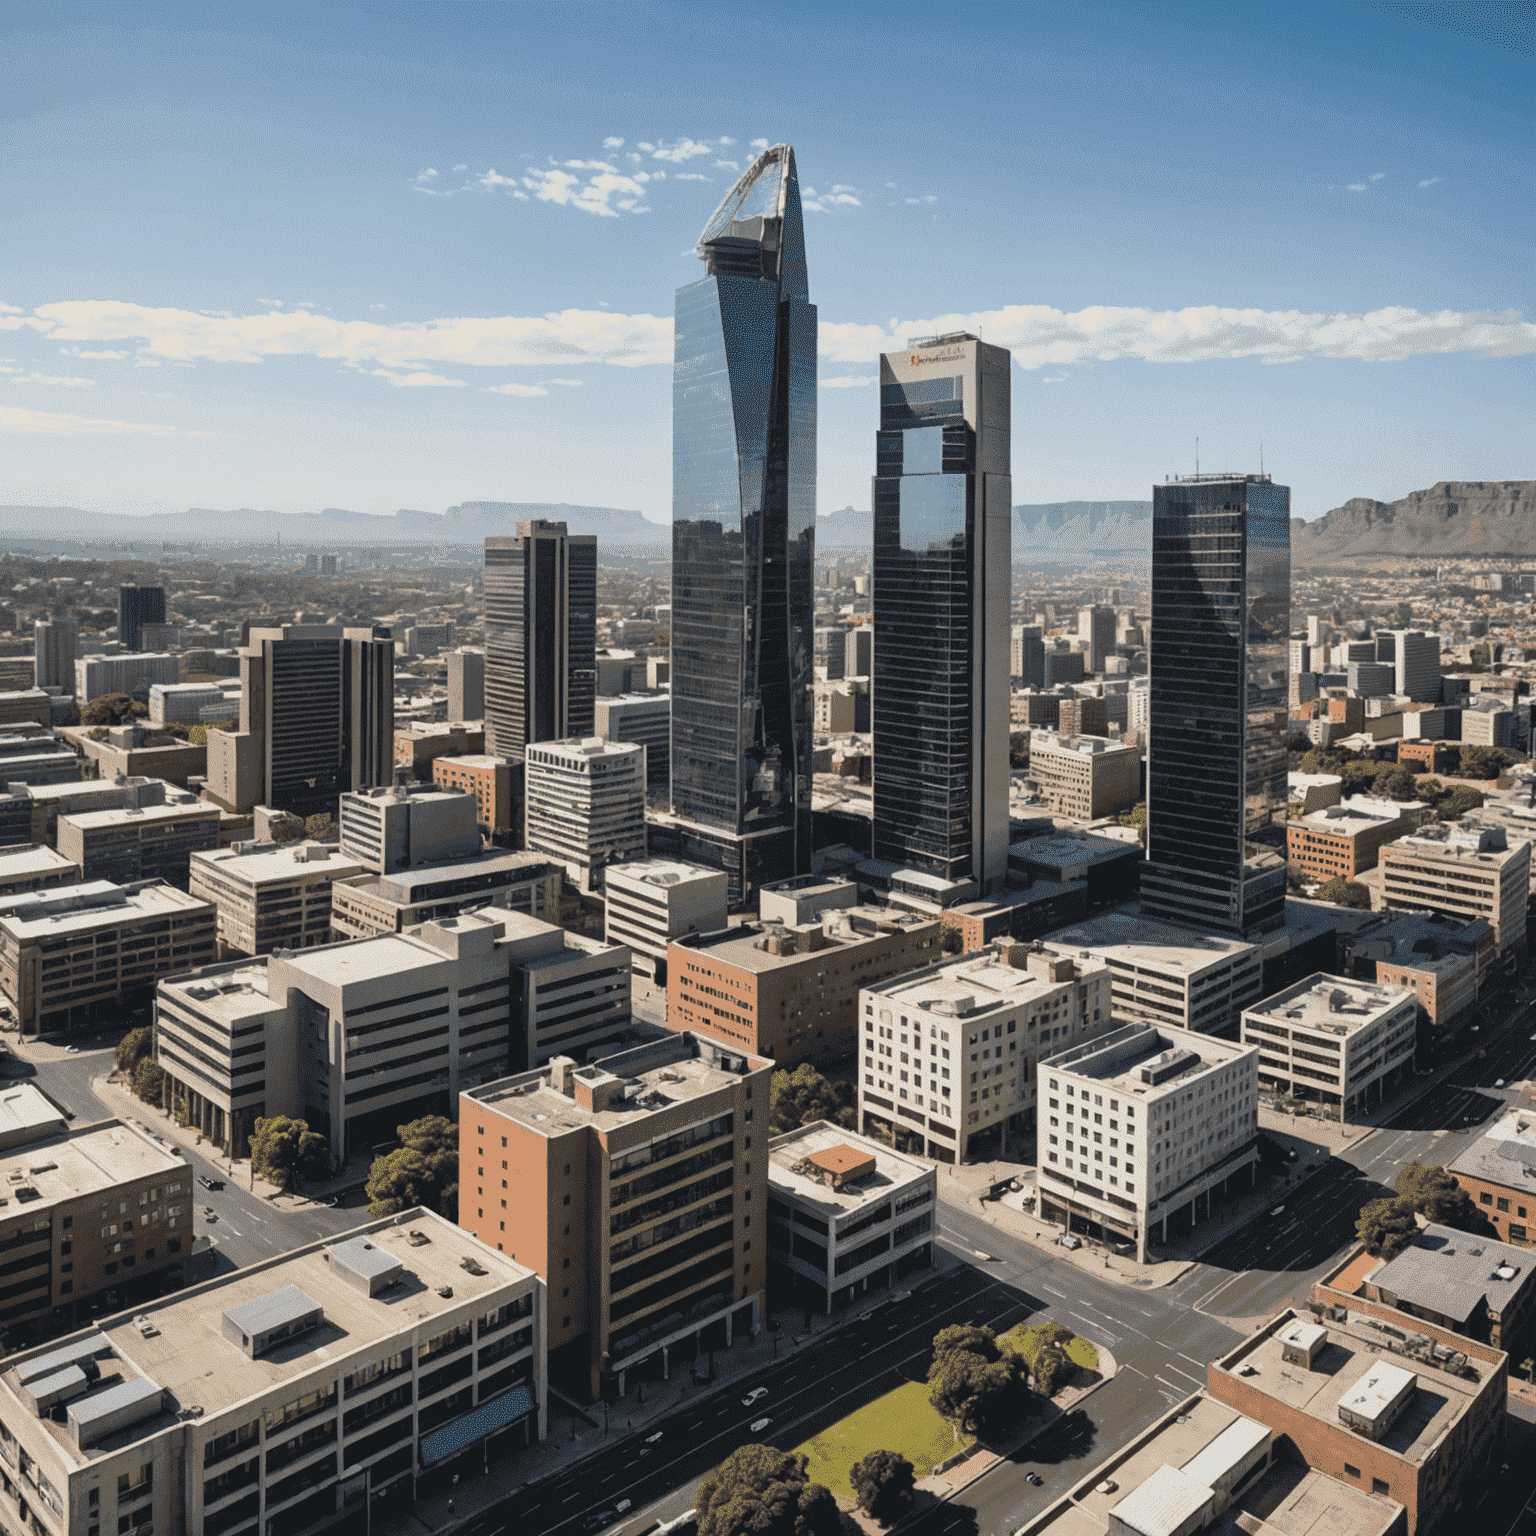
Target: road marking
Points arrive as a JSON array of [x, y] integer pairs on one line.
[[1199, 1381], [1086, 1321]]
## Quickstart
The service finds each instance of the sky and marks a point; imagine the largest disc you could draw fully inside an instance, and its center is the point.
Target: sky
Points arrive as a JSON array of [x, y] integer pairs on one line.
[[383, 256]]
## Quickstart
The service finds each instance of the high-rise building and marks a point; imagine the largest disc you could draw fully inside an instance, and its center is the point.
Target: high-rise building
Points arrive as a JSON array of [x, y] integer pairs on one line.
[[136, 607], [317, 718], [466, 684], [1026, 661], [56, 642], [1096, 625], [1416, 660], [540, 636], [586, 805], [1218, 667], [743, 538], [942, 563]]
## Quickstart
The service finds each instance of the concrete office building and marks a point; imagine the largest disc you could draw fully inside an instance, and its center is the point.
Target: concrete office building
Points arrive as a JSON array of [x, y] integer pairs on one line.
[[1442, 960], [1343, 839], [1370, 679], [943, 524], [1344, 1045], [1000, 1014], [650, 902], [1105, 866], [592, 1176], [132, 673], [466, 684], [1084, 777], [428, 639], [1498, 1171], [49, 762], [859, 651], [1142, 1126], [48, 802], [319, 1394], [25, 704], [419, 744], [846, 1215], [56, 644], [317, 719], [1416, 665], [1162, 974], [153, 842], [136, 607], [1488, 725], [64, 952], [1468, 873], [497, 788], [65, 1184], [586, 805], [15, 817], [34, 867], [790, 993], [540, 636], [1218, 667], [831, 652], [520, 882], [270, 895], [644, 719], [185, 702], [1096, 627], [407, 826], [1083, 715], [1026, 656]]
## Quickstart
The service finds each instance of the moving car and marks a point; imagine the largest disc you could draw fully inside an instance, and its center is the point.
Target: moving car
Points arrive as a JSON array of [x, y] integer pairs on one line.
[[208, 1183], [755, 1395], [759, 1425]]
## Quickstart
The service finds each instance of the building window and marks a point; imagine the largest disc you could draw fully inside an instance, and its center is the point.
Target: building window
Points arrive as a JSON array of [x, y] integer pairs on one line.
[[1485, 1198], [1382, 1486], [1503, 1204]]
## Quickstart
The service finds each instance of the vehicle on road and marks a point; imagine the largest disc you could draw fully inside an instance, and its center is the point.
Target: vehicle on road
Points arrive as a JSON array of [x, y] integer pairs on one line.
[[1034, 1480], [756, 1395], [1068, 1241], [1277, 1210], [1109, 1485], [759, 1425], [602, 1518], [652, 1439], [208, 1183], [71, 1050]]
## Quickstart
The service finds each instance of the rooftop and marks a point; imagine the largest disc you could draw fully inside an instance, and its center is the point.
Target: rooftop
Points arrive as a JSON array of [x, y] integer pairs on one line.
[[125, 815], [762, 947], [67, 1164], [578, 749], [363, 960], [1330, 1004], [1480, 845], [972, 985], [262, 863], [1065, 850], [1083, 746], [1147, 1059], [409, 886], [1452, 1273], [1504, 1154], [81, 908], [789, 1155], [33, 859], [1360, 813], [666, 872], [1143, 941], [230, 992]]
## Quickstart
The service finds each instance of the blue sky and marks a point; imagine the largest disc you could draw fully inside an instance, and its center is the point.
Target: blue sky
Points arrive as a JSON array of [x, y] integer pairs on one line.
[[384, 256]]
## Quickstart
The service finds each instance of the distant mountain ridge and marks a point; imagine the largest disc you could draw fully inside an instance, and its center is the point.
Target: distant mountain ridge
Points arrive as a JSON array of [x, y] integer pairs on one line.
[[1059, 528], [1453, 517]]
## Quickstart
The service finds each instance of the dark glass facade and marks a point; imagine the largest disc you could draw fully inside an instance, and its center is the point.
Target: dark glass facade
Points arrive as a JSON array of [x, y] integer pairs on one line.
[[136, 607], [743, 536], [942, 570], [1219, 668]]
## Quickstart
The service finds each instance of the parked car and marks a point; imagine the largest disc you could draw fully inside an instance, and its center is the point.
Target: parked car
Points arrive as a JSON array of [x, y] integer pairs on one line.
[[1068, 1241]]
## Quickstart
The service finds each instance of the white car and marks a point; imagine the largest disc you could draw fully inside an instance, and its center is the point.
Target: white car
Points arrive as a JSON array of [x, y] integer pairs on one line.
[[759, 1425], [1068, 1241], [652, 1439], [755, 1395]]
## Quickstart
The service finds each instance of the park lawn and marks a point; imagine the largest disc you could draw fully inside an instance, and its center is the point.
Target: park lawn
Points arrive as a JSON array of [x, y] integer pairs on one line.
[[903, 1421], [1026, 1341]]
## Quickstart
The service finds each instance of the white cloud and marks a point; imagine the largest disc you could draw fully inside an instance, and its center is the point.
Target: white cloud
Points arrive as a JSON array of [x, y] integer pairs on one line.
[[917, 202], [378, 306], [521, 390], [759, 143], [61, 381], [109, 354], [724, 142], [605, 193], [612, 143], [728, 165], [17, 418], [1431, 182], [847, 381], [275, 303], [10, 309], [461, 168], [692, 175], [1358, 186], [1041, 337], [678, 153], [890, 186], [1054, 378], [426, 175], [824, 202], [1377, 175], [421, 380], [568, 383]]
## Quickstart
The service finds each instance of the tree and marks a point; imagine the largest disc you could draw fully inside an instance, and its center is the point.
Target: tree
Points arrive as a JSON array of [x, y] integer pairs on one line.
[[797, 1098], [1053, 1369], [1462, 798], [134, 1047], [760, 1491], [149, 1080], [285, 1150], [1345, 893], [968, 1337], [883, 1483], [1386, 1227], [1400, 784], [951, 941], [970, 1391], [1437, 1197], [423, 1170], [112, 709]]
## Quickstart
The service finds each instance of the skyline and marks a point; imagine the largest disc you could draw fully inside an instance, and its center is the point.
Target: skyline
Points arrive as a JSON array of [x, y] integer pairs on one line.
[[444, 221]]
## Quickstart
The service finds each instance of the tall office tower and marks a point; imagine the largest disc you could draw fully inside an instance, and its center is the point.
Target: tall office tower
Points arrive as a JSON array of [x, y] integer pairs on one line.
[[943, 572], [832, 652], [1317, 630], [1416, 661], [1096, 625], [1218, 667], [317, 718], [466, 684], [136, 607], [1026, 656], [540, 636], [859, 652], [743, 538], [1300, 656], [55, 642]]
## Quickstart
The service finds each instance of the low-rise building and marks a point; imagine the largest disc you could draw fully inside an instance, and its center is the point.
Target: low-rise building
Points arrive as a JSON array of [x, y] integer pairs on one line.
[[1442, 960], [1420, 1424], [1463, 872], [519, 882], [1309, 792], [1512, 811], [25, 704], [1020, 912], [1110, 870], [948, 1054], [497, 786], [420, 743], [1144, 1126], [322, 1380], [846, 1214], [185, 702], [1342, 1044], [50, 801], [648, 903], [1084, 777], [1166, 974], [791, 994], [586, 805], [47, 763], [35, 867], [1341, 840], [270, 895], [65, 1184], [64, 953], [644, 719], [152, 842], [402, 826], [131, 672], [577, 1172], [1499, 1172]]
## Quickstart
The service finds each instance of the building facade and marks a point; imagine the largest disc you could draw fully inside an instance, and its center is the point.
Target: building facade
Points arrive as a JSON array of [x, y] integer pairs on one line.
[[153, 842], [268, 895], [56, 643], [1338, 841], [644, 719], [497, 787], [362, 908], [133, 673], [1084, 777], [466, 684], [648, 903], [1466, 873], [402, 826], [1499, 1172], [585, 805], [136, 607]]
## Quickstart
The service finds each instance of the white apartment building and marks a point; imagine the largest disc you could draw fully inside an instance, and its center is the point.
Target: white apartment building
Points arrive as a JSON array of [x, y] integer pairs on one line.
[[133, 673], [1341, 1044], [1144, 1125], [281, 1395], [1166, 974], [185, 702], [846, 1214], [404, 826], [586, 805], [1466, 872], [948, 1054], [650, 902], [270, 895]]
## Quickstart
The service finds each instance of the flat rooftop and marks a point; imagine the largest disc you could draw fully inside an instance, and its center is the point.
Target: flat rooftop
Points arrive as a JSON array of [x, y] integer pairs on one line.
[[360, 960], [1082, 746], [1329, 1004], [580, 749], [1348, 818], [1060, 850], [32, 860], [276, 863], [968, 986], [1122, 938], [475, 760], [840, 928], [1504, 1154], [1451, 1273], [661, 872], [126, 815], [788, 1154], [71, 1163], [1171, 1056], [94, 904], [231, 992], [406, 887]]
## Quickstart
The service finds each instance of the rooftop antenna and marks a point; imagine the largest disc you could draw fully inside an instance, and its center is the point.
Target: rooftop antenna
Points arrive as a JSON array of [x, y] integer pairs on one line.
[[1261, 458], [1197, 458]]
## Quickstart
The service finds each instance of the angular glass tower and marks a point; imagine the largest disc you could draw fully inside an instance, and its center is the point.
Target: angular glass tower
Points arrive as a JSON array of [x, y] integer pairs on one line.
[[943, 526], [743, 538], [1219, 668]]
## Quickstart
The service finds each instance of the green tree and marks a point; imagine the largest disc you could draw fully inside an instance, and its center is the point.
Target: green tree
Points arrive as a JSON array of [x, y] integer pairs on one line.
[[797, 1098], [134, 1047], [1462, 798], [319, 826], [1400, 784], [423, 1170], [112, 709], [950, 940], [883, 1483], [1053, 1369], [968, 1337], [285, 1151], [760, 1491], [148, 1080], [970, 1391], [1345, 893], [1436, 1196], [1386, 1227]]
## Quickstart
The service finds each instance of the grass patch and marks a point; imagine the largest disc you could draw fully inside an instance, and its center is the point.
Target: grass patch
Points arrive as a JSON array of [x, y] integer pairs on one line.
[[1029, 1341], [903, 1421]]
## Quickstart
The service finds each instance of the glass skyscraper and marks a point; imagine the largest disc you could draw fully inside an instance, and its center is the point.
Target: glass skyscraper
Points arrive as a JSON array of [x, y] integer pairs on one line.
[[1219, 665], [943, 526], [743, 538]]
